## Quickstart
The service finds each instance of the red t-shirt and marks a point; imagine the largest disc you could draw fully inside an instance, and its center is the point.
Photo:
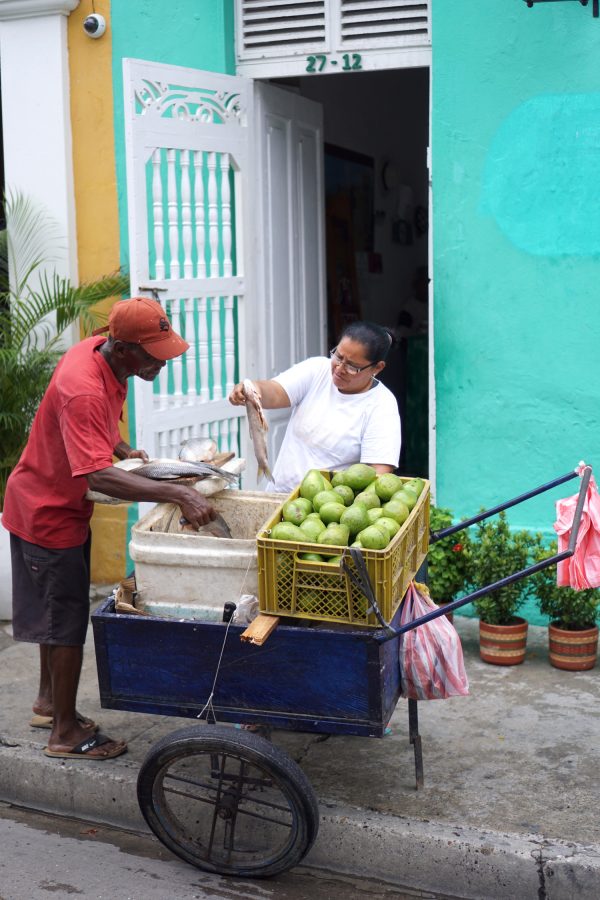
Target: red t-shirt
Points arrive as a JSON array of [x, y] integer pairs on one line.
[[74, 432]]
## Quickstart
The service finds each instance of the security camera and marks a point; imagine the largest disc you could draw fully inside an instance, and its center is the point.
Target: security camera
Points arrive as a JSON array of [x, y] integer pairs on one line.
[[94, 26]]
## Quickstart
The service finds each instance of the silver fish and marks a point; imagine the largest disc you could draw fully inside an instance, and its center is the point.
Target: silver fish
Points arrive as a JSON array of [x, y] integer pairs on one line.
[[258, 427], [167, 469], [217, 527], [198, 450]]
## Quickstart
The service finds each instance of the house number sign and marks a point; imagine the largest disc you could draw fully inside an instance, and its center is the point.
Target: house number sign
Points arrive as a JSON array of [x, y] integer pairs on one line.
[[351, 62]]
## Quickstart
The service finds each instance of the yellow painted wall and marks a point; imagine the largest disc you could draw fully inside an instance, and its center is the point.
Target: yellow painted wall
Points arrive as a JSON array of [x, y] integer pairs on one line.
[[90, 64]]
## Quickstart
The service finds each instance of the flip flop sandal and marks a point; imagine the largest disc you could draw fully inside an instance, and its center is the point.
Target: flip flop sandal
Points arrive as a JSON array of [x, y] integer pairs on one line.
[[48, 721], [82, 750]]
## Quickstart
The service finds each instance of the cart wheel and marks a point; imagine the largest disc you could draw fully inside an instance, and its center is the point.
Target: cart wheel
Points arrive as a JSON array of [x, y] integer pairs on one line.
[[228, 802]]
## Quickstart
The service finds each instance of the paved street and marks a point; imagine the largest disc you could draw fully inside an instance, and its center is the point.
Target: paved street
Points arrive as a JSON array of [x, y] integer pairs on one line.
[[46, 856]]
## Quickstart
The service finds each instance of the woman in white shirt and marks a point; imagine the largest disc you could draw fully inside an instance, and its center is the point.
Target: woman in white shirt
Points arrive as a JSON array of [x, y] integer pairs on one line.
[[341, 413]]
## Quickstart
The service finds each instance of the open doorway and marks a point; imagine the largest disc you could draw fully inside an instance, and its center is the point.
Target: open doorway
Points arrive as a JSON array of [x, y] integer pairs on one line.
[[376, 133]]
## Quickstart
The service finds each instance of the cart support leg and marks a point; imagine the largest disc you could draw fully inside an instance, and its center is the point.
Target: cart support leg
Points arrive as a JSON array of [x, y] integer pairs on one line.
[[415, 739]]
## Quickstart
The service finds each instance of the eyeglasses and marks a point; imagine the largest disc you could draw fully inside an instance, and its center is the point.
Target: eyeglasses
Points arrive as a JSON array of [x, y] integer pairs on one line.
[[350, 369]]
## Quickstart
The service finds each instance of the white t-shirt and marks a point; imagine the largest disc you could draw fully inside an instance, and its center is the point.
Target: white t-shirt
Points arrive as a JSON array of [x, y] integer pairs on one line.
[[331, 430]]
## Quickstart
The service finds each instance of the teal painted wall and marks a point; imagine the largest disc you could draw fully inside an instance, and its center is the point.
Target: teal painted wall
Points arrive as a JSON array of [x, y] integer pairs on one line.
[[194, 33], [516, 243]]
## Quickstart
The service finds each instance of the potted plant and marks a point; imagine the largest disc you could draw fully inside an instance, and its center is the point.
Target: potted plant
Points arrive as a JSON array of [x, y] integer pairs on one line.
[[448, 559], [497, 552], [572, 631], [36, 308]]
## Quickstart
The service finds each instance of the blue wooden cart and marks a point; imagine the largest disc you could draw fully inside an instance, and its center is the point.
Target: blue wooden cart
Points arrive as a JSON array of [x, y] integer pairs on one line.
[[227, 800]]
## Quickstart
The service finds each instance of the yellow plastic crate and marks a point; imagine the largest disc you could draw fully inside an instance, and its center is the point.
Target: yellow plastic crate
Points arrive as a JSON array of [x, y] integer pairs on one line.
[[290, 586]]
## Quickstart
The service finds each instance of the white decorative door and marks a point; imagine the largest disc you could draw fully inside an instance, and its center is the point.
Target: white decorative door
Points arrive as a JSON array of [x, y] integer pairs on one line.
[[187, 180], [226, 230], [289, 321]]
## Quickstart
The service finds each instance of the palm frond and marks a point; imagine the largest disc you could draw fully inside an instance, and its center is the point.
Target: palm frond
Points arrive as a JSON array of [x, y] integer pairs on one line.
[[78, 302], [31, 323], [26, 323], [33, 238], [39, 318], [9, 419]]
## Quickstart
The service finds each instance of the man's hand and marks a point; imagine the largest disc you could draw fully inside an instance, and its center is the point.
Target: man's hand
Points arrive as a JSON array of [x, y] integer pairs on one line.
[[196, 509], [128, 486], [124, 451], [138, 454]]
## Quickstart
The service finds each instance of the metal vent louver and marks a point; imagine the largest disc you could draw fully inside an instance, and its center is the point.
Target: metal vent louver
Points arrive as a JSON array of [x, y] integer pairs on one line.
[[391, 20], [282, 23]]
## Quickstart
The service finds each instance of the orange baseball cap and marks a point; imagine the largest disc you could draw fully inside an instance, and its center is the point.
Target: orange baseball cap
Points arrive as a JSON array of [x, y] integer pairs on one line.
[[140, 320]]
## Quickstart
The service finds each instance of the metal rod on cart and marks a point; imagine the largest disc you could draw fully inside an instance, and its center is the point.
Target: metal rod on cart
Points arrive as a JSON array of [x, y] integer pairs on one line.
[[391, 633], [466, 523]]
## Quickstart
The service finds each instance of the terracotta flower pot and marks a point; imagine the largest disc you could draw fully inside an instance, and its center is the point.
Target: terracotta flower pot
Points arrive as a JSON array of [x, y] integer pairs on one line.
[[503, 645], [573, 650]]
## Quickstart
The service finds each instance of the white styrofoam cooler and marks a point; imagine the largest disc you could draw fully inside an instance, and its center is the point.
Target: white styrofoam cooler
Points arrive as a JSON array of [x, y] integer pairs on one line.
[[190, 575]]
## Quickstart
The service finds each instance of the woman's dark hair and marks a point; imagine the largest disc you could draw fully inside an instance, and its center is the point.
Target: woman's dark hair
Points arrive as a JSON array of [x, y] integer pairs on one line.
[[376, 339]]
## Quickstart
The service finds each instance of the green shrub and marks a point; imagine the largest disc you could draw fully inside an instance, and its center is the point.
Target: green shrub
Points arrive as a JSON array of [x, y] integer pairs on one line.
[[566, 608], [448, 559], [495, 553]]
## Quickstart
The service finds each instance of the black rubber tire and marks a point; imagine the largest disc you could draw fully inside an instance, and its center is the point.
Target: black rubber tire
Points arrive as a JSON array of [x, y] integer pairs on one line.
[[261, 769]]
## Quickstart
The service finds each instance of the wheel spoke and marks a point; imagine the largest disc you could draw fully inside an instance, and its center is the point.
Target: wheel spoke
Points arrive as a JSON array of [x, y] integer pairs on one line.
[[241, 810], [210, 788], [214, 816]]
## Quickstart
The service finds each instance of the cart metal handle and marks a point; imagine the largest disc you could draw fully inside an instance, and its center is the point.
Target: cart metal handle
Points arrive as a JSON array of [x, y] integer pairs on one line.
[[516, 576], [466, 523], [360, 578]]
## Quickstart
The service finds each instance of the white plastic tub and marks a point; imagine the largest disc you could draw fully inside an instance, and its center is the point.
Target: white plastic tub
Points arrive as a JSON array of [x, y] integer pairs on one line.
[[188, 575]]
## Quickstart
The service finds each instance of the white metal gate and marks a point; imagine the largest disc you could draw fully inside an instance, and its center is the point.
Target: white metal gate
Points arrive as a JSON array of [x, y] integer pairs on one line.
[[187, 176]]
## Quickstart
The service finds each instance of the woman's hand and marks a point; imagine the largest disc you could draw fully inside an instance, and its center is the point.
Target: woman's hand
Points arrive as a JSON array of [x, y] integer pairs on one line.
[[270, 393], [237, 396]]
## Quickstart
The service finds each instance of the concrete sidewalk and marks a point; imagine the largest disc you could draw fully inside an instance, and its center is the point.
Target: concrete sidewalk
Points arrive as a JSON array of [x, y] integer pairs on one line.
[[509, 807]]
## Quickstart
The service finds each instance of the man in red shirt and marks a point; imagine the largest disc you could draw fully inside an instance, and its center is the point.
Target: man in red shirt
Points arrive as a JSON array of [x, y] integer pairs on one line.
[[70, 450]]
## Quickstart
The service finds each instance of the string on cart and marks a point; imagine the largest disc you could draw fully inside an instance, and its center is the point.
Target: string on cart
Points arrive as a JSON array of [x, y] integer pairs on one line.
[[208, 707]]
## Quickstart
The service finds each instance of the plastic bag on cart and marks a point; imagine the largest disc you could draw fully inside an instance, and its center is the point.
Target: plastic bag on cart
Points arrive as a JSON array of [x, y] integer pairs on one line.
[[246, 610], [431, 657], [582, 570]]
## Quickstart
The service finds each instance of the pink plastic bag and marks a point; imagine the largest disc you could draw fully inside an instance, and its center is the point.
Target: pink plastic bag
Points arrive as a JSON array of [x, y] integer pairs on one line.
[[582, 570], [431, 657]]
